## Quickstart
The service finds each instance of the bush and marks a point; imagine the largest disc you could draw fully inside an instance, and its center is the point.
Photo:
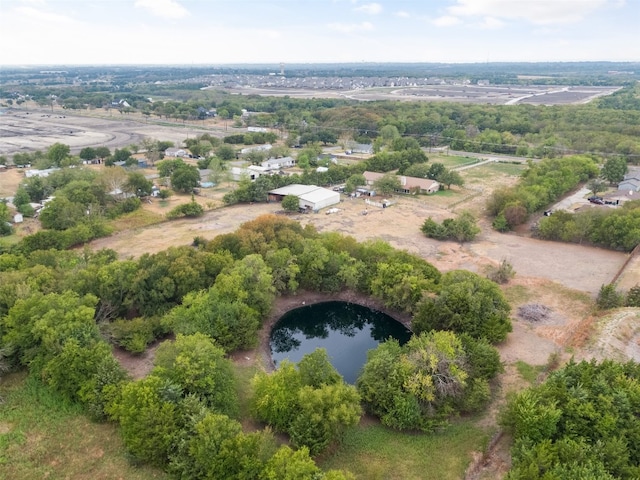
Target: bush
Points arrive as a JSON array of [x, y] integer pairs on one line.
[[134, 335], [609, 297], [126, 206], [466, 303], [501, 274], [191, 209], [463, 228], [291, 203], [633, 297]]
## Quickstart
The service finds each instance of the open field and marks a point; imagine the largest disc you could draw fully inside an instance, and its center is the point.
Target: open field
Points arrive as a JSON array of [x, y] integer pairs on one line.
[[23, 130], [493, 94]]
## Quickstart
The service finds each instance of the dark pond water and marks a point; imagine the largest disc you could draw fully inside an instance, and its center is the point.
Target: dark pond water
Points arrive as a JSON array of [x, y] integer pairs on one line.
[[345, 330]]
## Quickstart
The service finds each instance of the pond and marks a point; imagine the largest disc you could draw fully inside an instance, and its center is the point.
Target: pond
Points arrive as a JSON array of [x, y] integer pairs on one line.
[[347, 331]]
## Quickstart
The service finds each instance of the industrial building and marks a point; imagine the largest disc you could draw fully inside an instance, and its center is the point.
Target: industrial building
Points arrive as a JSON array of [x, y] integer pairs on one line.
[[311, 197]]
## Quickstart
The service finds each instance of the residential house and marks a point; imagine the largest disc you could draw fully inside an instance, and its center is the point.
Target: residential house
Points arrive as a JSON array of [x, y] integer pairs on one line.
[[365, 148], [176, 152], [630, 183], [238, 173], [407, 184], [278, 163]]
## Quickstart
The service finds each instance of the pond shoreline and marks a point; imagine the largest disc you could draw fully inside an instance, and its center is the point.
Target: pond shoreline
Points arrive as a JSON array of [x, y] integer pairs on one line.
[[285, 303]]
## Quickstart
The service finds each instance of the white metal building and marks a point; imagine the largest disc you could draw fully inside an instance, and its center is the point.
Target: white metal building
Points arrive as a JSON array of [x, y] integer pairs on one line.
[[311, 197]]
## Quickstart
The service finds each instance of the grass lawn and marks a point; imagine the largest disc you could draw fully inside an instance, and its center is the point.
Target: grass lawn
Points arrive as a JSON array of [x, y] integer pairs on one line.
[[374, 452], [139, 218], [450, 161], [44, 436]]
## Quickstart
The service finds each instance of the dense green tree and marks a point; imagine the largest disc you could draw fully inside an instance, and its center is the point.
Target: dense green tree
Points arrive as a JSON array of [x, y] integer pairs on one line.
[[213, 446], [450, 177], [275, 396], [234, 325], [416, 386], [199, 367], [147, 412], [287, 464], [633, 296], [399, 285], [88, 153], [291, 203], [609, 297], [579, 423], [21, 197], [102, 152], [387, 184], [463, 228], [323, 413], [61, 214], [466, 303], [121, 155], [138, 184], [168, 166], [192, 209], [58, 152], [614, 170], [225, 152], [37, 189], [314, 414], [419, 170], [5, 217], [185, 179]]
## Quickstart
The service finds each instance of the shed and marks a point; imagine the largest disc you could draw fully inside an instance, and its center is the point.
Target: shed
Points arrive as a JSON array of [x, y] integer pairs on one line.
[[18, 218]]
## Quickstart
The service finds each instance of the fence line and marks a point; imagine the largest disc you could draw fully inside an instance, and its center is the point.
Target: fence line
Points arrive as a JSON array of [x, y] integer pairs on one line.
[[633, 253]]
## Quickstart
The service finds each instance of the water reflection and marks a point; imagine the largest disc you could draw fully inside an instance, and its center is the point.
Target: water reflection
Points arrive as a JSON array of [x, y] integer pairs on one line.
[[346, 330]]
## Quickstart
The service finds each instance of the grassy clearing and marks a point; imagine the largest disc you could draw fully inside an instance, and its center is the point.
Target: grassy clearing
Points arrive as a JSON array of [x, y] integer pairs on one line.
[[451, 161], [244, 374], [508, 168], [137, 219], [375, 452], [570, 294], [44, 436], [517, 294], [529, 372]]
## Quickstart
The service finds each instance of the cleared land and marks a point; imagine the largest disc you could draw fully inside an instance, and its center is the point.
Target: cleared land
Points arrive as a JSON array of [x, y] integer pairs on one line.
[[493, 94], [24, 130]]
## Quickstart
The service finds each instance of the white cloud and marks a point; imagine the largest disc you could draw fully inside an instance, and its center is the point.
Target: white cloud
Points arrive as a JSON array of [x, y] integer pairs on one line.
[[369, 8], [351, 27], [402, 14], [491, 23], [163, 8], [541, 12], [446, 21], [36, 14]]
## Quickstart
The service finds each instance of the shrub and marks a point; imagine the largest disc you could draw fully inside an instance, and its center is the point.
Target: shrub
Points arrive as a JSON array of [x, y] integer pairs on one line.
[[633, 296], [191, 209], [291, 203], [134, 335], [609, 297], [502, 273]]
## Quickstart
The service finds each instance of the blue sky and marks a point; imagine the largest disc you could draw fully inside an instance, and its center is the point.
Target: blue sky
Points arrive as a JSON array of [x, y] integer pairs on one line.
[[316, 31]]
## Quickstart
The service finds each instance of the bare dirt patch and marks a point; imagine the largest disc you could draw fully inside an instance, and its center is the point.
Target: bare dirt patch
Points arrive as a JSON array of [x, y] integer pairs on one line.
[[9, 181]]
